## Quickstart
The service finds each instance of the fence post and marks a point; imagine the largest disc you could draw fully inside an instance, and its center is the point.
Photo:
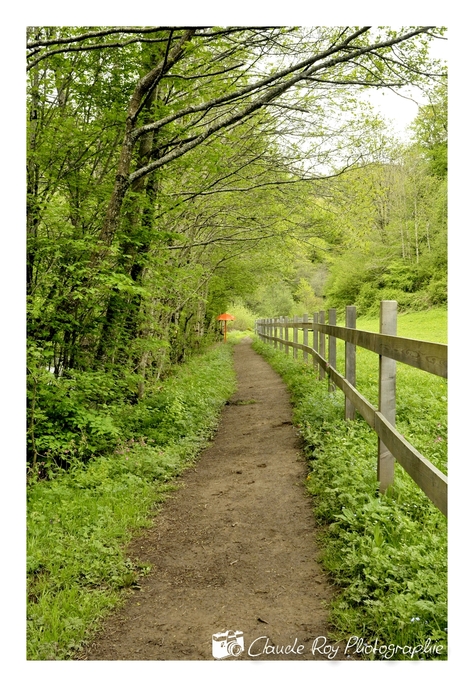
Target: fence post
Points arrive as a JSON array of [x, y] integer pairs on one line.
[[315, 336], [273, 332], [332, 346], [305, 337], [350, 360], [322, 343], [286, 334], [387, 393], [294, 335], [281, 320]]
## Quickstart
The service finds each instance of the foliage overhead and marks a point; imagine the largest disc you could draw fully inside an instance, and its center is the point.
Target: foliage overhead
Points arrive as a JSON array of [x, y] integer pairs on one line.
[[171, 171]]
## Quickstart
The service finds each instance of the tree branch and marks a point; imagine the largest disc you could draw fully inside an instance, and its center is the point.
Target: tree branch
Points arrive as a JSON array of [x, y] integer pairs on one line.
[[311, 66], [95, 34], [246, 90]]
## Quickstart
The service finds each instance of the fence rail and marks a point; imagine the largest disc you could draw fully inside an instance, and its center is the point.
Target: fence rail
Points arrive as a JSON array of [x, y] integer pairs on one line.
[[428, 356]]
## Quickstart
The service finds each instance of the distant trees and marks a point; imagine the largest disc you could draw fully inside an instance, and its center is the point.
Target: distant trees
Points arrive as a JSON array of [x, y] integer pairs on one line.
[[396, 219]]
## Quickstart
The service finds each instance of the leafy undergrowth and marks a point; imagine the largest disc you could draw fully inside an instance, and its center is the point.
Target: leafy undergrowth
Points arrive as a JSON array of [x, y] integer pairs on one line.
[[387, 553], [79, 522]]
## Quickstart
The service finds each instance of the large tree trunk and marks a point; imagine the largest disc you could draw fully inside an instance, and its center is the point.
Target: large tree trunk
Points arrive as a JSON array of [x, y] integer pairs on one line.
[[122, 182]]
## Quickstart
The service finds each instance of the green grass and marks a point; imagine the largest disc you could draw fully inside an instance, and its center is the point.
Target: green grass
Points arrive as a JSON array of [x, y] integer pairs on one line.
[[387, 554], [79, 522], [236, 335], [429, 325], [421, 398]]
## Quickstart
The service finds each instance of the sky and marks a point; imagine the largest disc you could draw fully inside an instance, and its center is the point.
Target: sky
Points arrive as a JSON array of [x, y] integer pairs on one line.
[[401, 108], [398, 109]]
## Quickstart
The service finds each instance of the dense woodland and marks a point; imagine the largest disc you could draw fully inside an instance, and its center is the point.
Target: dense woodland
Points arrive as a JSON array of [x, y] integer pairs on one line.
[[175, 173]]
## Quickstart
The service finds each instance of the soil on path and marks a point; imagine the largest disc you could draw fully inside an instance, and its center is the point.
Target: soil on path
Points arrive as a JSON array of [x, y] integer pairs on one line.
[[234, 548]]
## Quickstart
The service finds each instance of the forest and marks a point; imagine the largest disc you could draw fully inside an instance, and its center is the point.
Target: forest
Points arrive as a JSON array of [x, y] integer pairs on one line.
[[175, 173]]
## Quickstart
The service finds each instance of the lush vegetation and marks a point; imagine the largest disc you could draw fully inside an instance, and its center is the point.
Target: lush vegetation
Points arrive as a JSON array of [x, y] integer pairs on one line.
[[386, 553], [381, 233], [174, 174], [79, 522]]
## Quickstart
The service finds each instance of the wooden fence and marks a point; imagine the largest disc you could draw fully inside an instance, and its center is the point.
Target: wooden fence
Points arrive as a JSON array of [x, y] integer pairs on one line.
[[424, 355]]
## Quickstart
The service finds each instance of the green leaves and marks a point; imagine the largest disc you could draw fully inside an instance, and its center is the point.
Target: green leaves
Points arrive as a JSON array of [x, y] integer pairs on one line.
[[387, 554], [79, 521], [395, 238], [119, 261]]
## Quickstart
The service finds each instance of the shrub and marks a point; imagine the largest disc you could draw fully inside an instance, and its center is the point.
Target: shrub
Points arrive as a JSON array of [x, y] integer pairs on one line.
[[438, 291], [79, 521]]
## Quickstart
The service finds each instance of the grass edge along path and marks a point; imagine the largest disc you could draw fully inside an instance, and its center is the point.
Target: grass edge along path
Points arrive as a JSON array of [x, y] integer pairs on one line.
[[79, 522], [386, 553]]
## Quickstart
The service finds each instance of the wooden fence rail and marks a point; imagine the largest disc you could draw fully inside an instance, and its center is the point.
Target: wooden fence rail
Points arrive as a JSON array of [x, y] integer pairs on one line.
[[424, 355]]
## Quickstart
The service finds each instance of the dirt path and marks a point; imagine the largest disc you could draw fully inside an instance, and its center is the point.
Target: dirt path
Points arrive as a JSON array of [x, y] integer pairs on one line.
[[234, 548]]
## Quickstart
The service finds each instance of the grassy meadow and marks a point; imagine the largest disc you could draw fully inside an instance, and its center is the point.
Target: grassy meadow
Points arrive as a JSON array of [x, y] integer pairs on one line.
[[421, 398]]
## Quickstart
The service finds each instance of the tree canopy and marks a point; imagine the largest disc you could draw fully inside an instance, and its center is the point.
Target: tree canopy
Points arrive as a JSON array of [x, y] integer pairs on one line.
[[174, 170]]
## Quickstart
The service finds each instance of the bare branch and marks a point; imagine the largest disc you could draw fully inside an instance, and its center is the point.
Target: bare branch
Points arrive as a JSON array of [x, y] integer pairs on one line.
[[311, 66], [258, 86], [95, 34]]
